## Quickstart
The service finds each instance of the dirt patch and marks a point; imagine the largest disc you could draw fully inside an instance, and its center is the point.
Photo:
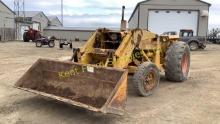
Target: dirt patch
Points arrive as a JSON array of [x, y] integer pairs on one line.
[[8, 109]]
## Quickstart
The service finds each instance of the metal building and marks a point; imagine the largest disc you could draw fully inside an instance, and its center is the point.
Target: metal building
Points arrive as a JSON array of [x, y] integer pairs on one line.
[[69, 33], [54, 21], [171, 15], [7, 24]]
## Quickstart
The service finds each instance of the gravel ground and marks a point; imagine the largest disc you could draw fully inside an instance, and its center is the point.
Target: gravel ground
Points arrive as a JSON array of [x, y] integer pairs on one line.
[[195, 101]]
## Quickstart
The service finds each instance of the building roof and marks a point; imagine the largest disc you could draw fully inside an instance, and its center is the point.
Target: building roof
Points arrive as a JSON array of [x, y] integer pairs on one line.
[[204, 2], [51, 18], [74, 28], [32, 14], [7, 7], [138, 4], [69, 28]]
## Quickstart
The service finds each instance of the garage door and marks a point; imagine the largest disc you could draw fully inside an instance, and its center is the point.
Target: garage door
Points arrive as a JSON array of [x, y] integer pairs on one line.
[[36, 26], [160, 21]]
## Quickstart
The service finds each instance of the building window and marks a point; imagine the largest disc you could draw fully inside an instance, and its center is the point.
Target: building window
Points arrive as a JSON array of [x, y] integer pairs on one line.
[[178, 12], [157, 11], [167, 11], [189, 12]]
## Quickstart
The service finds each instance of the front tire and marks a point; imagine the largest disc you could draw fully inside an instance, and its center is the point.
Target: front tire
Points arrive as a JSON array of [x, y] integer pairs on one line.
[[38, 44], [61, 45], [51, 44], [193, 46], [146, 79], [177, 62], [71, 45]]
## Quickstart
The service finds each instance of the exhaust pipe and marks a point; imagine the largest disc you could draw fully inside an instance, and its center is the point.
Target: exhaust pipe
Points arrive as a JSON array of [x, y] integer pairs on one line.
[[123, 22]]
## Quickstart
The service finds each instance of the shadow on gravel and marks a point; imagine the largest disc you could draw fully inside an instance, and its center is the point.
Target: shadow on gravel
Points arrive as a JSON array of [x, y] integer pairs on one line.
[[63, 111]]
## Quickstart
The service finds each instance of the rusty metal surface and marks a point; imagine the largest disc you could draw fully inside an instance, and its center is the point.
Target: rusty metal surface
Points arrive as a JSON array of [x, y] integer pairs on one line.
[[93, 88]]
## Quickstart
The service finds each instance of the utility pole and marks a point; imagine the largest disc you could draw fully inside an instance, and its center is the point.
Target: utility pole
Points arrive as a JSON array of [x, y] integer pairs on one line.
[[19, 9], [62, 12], [24, 9]]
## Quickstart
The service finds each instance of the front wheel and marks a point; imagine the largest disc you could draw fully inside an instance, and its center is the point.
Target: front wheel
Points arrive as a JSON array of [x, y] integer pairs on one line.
[[146, 79], [71, 45], [61, 45], [193, 46], [38, 44], [51, 44], [177, 62]]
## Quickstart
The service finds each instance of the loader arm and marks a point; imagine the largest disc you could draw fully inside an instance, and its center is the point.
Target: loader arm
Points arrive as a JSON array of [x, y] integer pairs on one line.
[[88, 47], [124, 52], [133, 39]]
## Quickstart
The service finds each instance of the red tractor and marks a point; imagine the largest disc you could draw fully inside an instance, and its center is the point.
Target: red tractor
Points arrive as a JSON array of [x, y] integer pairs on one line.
[[31, 34]]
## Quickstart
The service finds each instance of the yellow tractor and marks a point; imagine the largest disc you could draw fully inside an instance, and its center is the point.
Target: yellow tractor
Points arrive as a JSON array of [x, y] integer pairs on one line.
[[96, 76]]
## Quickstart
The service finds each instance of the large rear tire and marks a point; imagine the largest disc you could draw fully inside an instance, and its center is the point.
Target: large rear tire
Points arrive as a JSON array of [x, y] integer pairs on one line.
[[146, 79], [25, 37], [177, 62]]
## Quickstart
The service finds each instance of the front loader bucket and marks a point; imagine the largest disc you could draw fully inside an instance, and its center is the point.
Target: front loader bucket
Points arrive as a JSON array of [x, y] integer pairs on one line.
[[94, 88]]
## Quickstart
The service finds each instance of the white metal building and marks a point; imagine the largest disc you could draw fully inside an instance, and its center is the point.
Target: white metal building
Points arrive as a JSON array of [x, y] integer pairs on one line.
[[38, 19], [69, 33], [7, 23], [171, 15]]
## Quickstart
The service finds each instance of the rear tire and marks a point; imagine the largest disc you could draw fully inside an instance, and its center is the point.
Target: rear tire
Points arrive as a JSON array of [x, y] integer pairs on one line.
[[193, 46], [25, 38], [177, 62], [146, 79], [38, 44]]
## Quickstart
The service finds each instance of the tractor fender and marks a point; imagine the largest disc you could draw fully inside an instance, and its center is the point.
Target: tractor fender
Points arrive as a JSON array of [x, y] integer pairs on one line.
[[193, 40]]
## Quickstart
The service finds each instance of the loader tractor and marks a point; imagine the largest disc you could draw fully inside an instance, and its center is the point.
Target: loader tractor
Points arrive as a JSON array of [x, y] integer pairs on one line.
[[95, 78]]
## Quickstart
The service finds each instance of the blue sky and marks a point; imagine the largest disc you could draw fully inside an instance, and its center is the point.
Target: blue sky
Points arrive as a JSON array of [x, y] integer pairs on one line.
[[98, 13]]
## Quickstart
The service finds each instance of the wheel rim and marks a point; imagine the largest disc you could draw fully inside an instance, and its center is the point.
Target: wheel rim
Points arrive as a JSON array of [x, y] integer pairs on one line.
[[185, 63], [38, 43], [150, 81], [193, 46], [51, 44]]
